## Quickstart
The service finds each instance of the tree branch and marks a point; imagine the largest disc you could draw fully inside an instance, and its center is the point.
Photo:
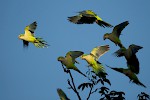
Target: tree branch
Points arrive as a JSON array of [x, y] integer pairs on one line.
[[75, 90], [90, 93], [73, 87]]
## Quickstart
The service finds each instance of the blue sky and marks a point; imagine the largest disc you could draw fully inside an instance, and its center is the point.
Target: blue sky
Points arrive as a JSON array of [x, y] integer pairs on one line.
[[35, 74]]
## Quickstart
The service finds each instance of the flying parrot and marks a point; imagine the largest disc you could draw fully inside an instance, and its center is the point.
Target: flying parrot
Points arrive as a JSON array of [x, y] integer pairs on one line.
[[92, 59], [28, 36], [62, 95], [114, 36], [131, 75], [69, 60], [88, 17], [130, 55]]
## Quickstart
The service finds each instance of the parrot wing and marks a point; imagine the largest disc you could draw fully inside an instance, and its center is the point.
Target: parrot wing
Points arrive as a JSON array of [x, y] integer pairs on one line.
[[74, 54], [25, 43], [133, 64], [120, 52], [29, 30], [88, 13], [135, 48], [82, 19], [98, 51], [118, 28]]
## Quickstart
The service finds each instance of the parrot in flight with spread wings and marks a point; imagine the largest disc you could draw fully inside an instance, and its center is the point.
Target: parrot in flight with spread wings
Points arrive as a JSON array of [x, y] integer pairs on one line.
[[92, 59], [130, 56], [28, 36], [115, 34], [88, 17], [131, 75], [62, 94], [69, 60]]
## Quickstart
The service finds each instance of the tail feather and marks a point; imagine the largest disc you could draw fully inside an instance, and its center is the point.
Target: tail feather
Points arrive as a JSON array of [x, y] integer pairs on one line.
[[103, 23], [62, 94], [99, 70], [138, 83], [40, 43], [80, 72], [120, 45]]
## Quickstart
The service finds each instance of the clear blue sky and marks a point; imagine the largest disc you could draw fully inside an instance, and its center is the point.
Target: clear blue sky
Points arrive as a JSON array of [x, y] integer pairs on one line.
[[35, 74]]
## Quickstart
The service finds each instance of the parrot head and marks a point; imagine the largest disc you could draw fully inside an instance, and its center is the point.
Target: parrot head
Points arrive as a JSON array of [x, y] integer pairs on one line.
[[21, 36], [60, 59], [83, 56], [106, 36]]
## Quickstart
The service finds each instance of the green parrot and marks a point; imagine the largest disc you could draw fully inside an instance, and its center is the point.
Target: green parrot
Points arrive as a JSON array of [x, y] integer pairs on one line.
[[62, 95], [114, 36], [132, 76], [28, 36], [130, 55], [69, 60], [92, 59], [88, 17]]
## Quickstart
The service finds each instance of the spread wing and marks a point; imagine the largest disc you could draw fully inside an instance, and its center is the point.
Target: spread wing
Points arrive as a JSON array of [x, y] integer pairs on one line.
[[81, 19], [29, 30], [120, 52], [74, 54], [118, 28], [97, 52], [135, 48], [88, 13]]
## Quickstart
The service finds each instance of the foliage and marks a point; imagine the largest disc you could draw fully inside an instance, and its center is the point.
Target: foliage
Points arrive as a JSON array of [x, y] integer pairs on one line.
[[93, 86]]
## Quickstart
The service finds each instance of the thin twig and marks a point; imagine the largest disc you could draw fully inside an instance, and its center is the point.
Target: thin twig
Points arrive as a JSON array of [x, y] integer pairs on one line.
[[75, 90], [72, 87], [90, 93]]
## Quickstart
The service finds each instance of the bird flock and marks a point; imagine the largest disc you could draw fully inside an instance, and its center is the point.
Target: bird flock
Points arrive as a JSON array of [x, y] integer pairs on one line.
[[89, 17]]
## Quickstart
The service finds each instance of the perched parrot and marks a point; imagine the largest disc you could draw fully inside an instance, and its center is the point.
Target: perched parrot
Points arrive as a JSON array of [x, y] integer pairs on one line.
[[114, 36], [132, 76], [28, 36], [62, 95], [92, 59], [88, 17], [69, 60], [130, 55]]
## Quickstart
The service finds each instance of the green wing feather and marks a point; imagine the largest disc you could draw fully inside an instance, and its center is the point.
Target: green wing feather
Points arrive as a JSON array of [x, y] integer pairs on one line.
[[118, 28], [74, 54], [31, 27]]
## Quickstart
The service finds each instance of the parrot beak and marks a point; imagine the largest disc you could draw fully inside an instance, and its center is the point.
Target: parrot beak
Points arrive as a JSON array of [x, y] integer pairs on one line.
[[104, 38]]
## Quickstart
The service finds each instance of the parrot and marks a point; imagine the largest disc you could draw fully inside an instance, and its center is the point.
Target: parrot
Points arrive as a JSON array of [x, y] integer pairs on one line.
[[88, 17], [28, 36], [62, 95], [130, 56], [131, 75], [69, 60], [92, 60], [114, 36]]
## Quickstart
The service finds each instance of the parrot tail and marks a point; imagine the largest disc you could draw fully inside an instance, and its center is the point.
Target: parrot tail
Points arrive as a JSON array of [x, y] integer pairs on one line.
[[62, 94], [80, 72], [138, 83], [40, 43], [103, 23], [120, 45]]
